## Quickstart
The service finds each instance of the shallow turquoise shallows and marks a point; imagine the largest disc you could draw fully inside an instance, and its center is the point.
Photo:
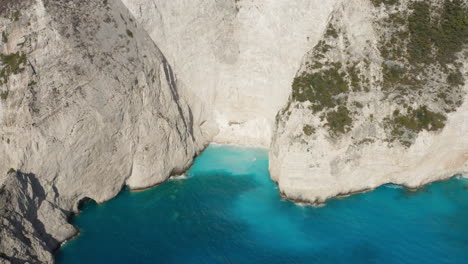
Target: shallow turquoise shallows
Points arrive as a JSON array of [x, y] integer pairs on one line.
[[228, 210]]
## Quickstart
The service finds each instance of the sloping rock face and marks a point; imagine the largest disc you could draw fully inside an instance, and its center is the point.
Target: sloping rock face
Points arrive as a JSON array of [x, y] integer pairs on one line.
[[88, 104], [239, 56], [31, 226], [380, 99], [94, 101]]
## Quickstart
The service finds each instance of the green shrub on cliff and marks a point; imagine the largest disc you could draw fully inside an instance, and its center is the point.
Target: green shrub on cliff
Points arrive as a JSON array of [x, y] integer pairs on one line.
[[308, 130], [451, 31], [4, 95], [385, 2], [419, 26], [455, 78], [320, 88], [445, 29], [414, 121], [11, 64], [339, 121]]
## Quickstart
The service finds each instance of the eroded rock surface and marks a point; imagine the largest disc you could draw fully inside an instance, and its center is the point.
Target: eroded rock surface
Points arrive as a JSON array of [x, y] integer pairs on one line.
[[88, 104], [380, 99], [237, 56], [31, 226]]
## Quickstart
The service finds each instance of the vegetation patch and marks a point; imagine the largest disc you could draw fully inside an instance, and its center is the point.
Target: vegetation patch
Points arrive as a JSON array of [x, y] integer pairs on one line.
[[385, 2], [437, 33], [451, 30], [11, 64], [32, 83], [455, 78], [308, 130], [331, 31], [353, 73], [339, 121], [4, 95], [419, 46], [365, 141], [420, 29], [404, 127], [320, 88], [129, 33], [4, 37], [16, 15]]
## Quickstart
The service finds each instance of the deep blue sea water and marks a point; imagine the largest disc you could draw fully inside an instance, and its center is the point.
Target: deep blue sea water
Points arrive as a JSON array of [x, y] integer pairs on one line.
[[228, 210]]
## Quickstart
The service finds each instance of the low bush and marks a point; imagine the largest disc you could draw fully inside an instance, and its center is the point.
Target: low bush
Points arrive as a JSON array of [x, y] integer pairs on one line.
[[320, 88], [308, 130], [339, 121]]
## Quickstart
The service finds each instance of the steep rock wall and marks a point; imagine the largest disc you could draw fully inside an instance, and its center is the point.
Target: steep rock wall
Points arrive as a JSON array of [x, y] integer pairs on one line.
[[373, 104], [30, 226], [88, 104], [238, 57]]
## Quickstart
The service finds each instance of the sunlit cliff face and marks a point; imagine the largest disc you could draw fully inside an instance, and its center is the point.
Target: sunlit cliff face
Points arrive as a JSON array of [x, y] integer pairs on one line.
[[238, 57]]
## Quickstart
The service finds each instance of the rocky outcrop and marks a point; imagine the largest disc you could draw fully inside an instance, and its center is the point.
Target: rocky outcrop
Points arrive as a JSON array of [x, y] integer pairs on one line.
[[31, 226], [95, 103], [380, 99], [88, 104], [237, 56]]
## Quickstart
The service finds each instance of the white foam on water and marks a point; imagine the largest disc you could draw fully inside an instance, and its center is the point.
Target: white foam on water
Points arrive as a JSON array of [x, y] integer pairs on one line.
[[220, 144], [178, 178], [393, 186], [303, 205]]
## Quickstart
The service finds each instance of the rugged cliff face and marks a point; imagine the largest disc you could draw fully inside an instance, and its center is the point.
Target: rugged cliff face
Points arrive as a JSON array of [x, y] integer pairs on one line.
[[30, 226], [88, 104], [380, 99], [237, 56]]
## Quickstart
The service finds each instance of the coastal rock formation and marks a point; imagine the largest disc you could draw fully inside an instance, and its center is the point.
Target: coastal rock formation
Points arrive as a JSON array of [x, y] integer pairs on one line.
[[380, 99], [31, 226], [237, 56], [92, 104], [88, 105]]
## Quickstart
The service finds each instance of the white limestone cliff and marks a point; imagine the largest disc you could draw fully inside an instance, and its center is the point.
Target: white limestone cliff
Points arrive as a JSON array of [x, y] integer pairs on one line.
[[238, 57], [89, 104], [98, 95], [31, 226], [313, 163]]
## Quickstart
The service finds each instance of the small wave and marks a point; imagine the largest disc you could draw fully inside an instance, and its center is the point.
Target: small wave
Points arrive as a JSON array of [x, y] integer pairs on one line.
[[393, 186], [303, 205], [178, 178], [220, 144], [461, 176]]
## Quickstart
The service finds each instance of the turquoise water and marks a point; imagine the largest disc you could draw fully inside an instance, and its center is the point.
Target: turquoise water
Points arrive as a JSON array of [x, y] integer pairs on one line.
[[229, 211]]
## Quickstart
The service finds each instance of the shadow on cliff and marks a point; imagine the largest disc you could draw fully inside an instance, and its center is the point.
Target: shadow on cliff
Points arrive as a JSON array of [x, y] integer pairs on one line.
[[20, 199]]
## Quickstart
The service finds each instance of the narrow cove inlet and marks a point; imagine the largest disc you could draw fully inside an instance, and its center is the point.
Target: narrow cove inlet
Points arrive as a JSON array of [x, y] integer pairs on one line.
[[226, 209]]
